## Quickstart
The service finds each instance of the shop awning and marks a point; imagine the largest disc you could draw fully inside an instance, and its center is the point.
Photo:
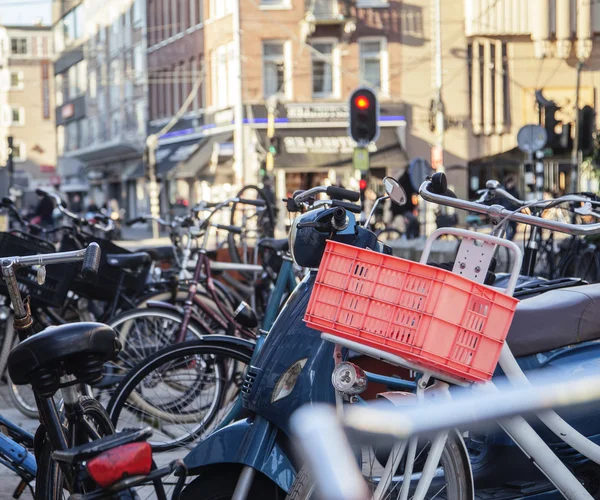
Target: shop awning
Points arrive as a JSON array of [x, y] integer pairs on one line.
[[209, 150], [330, 148]]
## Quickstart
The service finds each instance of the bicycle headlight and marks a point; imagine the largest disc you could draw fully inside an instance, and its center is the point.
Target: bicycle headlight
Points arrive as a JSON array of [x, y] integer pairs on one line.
[[286, 383]]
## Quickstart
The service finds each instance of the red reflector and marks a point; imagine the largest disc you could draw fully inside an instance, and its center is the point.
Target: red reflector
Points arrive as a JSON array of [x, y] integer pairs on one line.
[[362, 102], [133, 459], [362, 184]]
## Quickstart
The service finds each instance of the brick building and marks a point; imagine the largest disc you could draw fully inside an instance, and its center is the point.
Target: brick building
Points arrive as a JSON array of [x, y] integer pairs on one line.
[[303, 57]]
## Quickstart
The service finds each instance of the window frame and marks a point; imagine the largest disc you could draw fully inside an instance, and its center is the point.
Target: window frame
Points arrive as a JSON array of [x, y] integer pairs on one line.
[[21, 80], [18, 52], [384, 89], [21, 121], [335, 68], [281, 5], [22, 157], [285, 58]]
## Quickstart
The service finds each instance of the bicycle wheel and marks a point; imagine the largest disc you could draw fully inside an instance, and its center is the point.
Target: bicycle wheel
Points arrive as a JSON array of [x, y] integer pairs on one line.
[[587, 267], [183, 391], [49, 481], [142, 332], [451, 479]]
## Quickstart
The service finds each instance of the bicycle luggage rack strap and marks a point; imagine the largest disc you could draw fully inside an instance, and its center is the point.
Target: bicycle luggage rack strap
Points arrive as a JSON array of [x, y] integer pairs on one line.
[[473, 259]]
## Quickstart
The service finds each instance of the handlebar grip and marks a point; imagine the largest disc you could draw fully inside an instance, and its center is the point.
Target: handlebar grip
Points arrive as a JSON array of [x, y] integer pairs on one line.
[[91, 261], [439, 183], [231, 229], [254, 203], [338, 193], [131, 222], [7, 202], [351, 207]]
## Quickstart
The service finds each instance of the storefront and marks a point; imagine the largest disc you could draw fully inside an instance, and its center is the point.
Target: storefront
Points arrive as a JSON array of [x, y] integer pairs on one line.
[[314, 147]]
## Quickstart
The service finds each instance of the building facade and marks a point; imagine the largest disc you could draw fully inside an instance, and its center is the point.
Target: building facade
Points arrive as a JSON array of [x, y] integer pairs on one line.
[[27, 106], [299, 60], [102, 100]]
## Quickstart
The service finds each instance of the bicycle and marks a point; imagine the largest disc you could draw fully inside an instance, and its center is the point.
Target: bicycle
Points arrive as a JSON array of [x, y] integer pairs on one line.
[[56, 359]]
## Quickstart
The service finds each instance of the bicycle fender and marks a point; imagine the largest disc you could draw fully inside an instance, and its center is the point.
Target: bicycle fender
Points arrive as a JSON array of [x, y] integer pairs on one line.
[[229, 341], [158, 304], [246, 442]]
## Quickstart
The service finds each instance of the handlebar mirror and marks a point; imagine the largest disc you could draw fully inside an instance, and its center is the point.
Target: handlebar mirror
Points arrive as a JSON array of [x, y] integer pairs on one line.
[[394, 191]]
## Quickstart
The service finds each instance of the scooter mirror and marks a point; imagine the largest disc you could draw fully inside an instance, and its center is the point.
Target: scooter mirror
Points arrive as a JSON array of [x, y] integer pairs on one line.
[[394, 190]]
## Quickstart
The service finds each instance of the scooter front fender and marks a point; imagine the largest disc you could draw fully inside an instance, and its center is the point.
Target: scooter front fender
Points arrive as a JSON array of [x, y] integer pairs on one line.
[[255, 443]]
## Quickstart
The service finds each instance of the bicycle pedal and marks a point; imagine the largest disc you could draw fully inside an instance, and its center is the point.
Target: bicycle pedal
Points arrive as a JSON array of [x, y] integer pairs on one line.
[[20, 489]]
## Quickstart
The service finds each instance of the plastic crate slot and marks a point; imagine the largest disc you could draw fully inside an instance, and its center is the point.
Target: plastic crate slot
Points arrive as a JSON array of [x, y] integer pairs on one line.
[[411, 301]]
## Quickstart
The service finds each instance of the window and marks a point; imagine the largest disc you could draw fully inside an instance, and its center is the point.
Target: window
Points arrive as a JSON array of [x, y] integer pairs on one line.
[[115, 87], [275, 3], [324, 69], [140, 118], [60, 140], [273, 68], [220, 8], [221, 79], [58, 87], [488, 86], [81, 69], [72, 138], [373, 63], [137, 14], [139, 62], [72, 79], [366, 4], [19, 151], [92, 85], [16, 80], [325, 9], [18, 46], [17, 116], [92, 131]]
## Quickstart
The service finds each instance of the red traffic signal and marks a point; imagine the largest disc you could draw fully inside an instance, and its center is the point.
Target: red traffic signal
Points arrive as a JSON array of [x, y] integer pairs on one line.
[[364, 116], [362, 102], [362, 184]]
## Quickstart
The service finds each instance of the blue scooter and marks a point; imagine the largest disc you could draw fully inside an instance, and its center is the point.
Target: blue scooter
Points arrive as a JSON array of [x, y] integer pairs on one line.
[[252, 458]]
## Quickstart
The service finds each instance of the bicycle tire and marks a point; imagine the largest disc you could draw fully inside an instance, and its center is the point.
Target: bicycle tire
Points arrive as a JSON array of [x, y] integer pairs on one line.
[[207, 347], [454, 457], [131, 354], [49, 480], [587, 266]]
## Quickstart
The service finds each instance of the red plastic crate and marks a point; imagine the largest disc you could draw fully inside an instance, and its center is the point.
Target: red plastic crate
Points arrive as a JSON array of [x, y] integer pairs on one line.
[[424, 314]]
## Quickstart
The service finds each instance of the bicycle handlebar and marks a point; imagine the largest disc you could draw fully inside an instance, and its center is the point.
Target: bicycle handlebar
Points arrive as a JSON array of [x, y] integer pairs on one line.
[[333, 192], [498, 212]]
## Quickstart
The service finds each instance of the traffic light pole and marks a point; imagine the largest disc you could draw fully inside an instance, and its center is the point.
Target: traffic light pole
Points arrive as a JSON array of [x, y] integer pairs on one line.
[[10, 165], [575, 157], [151, 144]]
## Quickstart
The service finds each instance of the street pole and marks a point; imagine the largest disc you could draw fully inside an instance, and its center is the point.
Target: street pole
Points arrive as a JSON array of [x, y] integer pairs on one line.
[[10, 165], [238, 110], [439, 76], [151, 144], [271, 108], [575, 160]]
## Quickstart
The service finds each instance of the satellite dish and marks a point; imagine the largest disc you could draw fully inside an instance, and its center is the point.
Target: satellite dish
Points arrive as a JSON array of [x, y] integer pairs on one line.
[[418, 171], [531, 138]]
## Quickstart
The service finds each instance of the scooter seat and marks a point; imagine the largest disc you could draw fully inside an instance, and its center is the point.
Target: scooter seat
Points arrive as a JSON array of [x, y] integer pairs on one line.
[[160, 253], [128, 260], [555, 319]]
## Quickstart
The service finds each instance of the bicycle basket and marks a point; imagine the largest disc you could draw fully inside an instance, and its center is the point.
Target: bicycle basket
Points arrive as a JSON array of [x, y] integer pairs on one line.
[[104, 285], [58, 276], [439, 320]]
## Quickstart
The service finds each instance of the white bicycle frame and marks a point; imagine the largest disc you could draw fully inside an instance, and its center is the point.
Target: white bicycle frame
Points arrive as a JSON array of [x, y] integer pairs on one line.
[[516, 427]]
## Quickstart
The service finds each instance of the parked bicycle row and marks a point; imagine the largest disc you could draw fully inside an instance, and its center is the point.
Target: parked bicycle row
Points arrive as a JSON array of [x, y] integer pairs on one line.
[[180, 367]]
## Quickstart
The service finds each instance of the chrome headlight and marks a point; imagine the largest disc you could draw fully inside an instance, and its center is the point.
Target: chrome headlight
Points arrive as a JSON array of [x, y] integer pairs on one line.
[[286, 383]]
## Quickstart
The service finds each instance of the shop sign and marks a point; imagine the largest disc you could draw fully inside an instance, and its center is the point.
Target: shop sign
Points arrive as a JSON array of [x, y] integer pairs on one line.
[[321, 145], [317, 112]]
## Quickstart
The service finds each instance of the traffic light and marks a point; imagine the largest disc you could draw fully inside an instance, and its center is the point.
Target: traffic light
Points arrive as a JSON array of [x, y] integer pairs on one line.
[[364, 115], [550, 124], [9, 161], [274, 145], [587, 126]]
